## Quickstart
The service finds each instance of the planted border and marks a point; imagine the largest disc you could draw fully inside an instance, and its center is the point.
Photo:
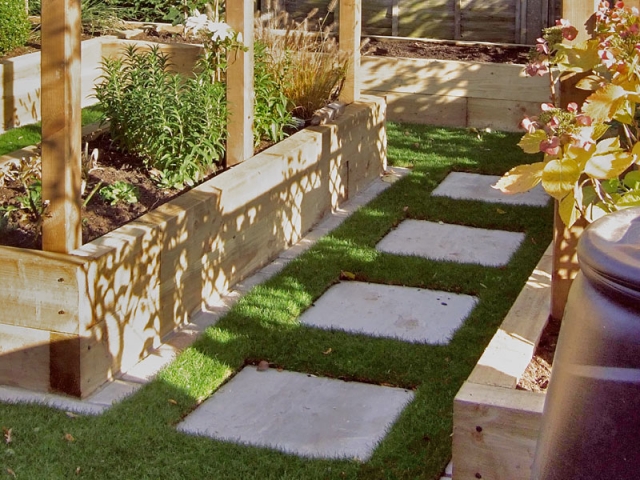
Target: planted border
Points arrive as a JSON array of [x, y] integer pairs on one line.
[[73, 321]]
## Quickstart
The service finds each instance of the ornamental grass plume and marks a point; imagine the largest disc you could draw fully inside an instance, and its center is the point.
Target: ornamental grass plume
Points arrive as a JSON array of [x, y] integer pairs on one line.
[[305, 58], [589, 152]]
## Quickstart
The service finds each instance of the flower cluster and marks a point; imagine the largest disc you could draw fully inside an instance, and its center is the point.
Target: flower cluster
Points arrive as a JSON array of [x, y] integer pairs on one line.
[[541, 57], [216, 31], [589, 150], [618, 35]]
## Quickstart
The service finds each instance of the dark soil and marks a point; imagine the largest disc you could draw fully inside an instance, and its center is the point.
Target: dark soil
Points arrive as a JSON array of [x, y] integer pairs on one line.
[[536, 376], [441, 50], [98, 216]]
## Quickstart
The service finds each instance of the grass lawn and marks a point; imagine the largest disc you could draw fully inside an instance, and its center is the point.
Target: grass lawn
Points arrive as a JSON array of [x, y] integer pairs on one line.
[[136, 439], [30, 134]]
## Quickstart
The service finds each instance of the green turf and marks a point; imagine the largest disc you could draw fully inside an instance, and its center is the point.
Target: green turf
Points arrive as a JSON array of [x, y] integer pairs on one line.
[[26, 135], [137, 438]]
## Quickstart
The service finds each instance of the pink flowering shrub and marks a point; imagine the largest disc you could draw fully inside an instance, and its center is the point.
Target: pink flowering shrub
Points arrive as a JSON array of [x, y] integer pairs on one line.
[[589, 152]]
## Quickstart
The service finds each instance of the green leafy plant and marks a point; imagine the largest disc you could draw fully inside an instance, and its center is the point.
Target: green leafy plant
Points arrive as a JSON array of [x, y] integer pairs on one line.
[[308, 65], [28, 173], [589, 152], [98, 16], [120, 191], [177, 125], [14, 25], [272, 115]]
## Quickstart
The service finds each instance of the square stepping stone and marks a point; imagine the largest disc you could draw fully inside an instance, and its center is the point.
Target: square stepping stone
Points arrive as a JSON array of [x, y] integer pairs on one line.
[[473, 186], [299, 414], [455, 243], [409, 314]]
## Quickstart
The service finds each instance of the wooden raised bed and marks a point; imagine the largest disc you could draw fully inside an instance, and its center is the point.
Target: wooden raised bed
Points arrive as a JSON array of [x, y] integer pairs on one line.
[[495, 426], [21, 91], [454, 93], [70, 322]]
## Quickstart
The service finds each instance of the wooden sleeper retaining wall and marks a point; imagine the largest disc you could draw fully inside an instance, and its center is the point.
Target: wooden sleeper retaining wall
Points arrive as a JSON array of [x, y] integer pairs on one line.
[[71, 322]]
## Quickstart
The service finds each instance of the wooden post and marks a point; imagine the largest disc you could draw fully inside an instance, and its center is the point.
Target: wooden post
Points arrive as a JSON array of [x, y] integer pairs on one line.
[[61, 125], [240, 92], [350, 29]]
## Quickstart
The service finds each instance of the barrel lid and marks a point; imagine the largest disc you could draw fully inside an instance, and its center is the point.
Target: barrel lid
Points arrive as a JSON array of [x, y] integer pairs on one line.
[[610, 249]]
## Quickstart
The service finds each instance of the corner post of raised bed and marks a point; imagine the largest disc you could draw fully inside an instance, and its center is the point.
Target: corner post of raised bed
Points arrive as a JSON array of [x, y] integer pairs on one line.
[[565, 240], [240, 89], [61, 125], [350, 25]]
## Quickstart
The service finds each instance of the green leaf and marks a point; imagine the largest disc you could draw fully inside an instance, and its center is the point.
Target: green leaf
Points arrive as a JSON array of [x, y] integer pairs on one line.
[[521, 178], [530, 142], [559, 177], [625, 112], [632, 179]]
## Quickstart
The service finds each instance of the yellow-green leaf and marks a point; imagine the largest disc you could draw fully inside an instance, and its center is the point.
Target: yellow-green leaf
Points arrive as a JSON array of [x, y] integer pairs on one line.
[[603, 104], [579, 155], [625, 113], [559, 177], [580, 57], [609, 165], [530, 142], [590, 82], [521, 178], [568, 210], [630, 199]]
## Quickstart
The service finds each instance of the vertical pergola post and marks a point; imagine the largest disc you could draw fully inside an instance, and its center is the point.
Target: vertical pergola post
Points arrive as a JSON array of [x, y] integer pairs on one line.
[[350, 23], [61, 124], [240, 93]]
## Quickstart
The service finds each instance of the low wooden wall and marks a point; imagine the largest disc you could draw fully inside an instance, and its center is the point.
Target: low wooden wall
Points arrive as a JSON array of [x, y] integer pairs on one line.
[[452, 93], [495, 426], [448, 93], [70, 322], [20, 76]]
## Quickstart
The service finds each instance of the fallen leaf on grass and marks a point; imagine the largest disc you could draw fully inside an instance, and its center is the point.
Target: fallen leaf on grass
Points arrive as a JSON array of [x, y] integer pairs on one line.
[[327, 352], [8, 437], [347, 275], [263, 366], [500, 211], [172, 401], [78, 471], [405, 209], [11, 472], [70, 414], [69, 438]]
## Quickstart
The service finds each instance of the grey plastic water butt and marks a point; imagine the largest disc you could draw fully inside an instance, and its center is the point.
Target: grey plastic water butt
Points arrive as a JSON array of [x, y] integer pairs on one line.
[[591, 420]]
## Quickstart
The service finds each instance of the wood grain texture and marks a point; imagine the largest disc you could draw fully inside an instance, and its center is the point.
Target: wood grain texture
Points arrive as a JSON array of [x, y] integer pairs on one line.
[[495, 432], [61, 125]]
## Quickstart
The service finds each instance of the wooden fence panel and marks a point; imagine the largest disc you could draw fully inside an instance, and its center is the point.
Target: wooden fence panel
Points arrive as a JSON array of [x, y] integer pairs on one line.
[[501, 21]]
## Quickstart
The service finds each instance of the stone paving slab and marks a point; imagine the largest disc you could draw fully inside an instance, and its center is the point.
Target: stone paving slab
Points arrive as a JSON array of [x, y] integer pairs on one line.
[[455, 243], [473, 186], [409, 314], [299, 414]]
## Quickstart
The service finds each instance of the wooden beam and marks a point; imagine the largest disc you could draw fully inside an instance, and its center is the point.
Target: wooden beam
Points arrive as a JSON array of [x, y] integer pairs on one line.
[[395, 14], [61, 124], [240, 92], [457, 20], [350, 29]]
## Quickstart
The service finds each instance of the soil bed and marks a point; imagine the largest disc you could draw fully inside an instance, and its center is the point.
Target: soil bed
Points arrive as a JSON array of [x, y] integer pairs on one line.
[[536, 376], [441, 50]]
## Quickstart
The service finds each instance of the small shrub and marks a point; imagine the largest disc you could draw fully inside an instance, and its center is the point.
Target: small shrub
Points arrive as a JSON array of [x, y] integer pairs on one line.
[[98, 16], [14, 25]]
